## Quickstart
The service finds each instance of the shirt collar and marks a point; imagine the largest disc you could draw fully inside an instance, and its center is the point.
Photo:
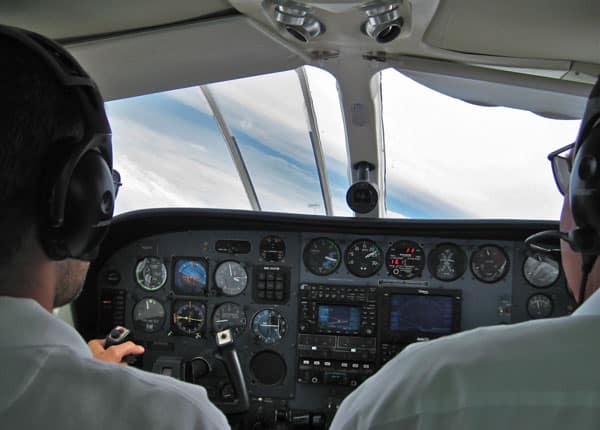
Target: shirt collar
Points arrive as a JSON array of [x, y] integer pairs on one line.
[[591, 307], [25, 323]]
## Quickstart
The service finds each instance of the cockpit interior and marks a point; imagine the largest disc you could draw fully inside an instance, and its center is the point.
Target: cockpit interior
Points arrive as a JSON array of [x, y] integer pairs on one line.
[[309, 186]]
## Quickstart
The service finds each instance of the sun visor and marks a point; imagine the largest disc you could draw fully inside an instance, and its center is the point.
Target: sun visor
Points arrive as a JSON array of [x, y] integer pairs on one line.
[[545, 96], [542, 29], [181, 56]]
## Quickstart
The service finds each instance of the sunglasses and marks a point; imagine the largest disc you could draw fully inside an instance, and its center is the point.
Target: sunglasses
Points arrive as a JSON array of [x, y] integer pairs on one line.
[[561, 167], [116, 181]]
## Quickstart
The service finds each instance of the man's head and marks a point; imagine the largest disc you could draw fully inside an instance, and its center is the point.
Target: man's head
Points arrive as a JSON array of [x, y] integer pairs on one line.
[[577, 173], [56, 182]]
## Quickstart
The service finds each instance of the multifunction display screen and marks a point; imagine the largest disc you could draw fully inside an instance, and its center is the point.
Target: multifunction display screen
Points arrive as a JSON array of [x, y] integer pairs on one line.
[[339, 318], [422, 314]]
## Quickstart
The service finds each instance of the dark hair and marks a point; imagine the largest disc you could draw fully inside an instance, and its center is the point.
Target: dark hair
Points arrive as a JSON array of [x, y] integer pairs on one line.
[[36, 113]]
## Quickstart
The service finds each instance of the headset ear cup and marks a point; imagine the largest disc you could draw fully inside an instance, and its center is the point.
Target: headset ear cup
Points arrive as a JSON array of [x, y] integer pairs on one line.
[[89, 206], [584, 186]]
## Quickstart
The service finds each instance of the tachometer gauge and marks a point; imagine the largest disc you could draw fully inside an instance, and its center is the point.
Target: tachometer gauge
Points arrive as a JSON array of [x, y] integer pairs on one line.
[[489, 263], [150, 273], [231, 278], [189, 317], [189, 277], [269, 326], [405, 259], [322, 256], [272, 249], [539, 306], [148, 315], [363, 258], [229, 316], [541, 270], [447, 262]]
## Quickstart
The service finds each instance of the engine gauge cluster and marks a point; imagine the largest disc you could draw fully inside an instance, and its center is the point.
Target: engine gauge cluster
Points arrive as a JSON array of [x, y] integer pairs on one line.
[[407, 259]]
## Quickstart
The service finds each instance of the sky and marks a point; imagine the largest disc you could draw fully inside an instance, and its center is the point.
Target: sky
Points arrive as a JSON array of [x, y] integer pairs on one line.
[[444, 158]]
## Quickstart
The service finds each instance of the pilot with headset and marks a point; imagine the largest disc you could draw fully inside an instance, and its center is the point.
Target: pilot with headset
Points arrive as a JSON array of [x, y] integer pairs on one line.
[[57, 194], [535, 375]]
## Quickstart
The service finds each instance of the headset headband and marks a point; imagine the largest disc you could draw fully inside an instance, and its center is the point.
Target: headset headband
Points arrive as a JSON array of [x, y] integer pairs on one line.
[[59, 237]]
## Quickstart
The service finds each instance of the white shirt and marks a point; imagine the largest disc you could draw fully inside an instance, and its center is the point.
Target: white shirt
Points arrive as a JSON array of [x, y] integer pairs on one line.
[[50, 380], [541, 374]]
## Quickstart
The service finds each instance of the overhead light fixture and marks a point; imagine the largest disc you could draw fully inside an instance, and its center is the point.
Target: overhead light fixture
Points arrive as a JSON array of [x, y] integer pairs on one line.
[[298, 21], [384, 21]]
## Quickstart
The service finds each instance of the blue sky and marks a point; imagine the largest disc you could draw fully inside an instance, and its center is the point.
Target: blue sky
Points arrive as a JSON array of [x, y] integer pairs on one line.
[[470, 162]]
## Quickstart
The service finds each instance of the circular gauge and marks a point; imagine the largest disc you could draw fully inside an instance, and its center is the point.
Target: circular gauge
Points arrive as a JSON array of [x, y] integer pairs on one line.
[[447, 262], [231, 278], [541, 270], [322, 256], [189, 317], [539, 306], [272, 248], [148, 315], [151, 273], [269, 326], [363, 258], [229, 316], [489, 263], [405, 259], [189, 277]]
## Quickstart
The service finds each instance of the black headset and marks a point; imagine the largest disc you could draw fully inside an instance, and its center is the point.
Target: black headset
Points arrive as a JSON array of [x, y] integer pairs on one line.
[[584, 183], [77, 196]]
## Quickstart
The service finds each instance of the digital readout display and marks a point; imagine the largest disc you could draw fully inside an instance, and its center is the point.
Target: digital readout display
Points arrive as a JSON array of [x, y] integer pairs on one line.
[[422, 314], [339, 318]]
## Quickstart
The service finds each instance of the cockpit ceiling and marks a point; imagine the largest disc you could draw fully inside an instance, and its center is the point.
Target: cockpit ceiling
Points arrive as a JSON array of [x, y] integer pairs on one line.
[[72, 19], [542, 29], [144, 46]]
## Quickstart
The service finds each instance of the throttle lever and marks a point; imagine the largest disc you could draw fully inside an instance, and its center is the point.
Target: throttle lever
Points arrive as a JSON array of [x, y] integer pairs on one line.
[[232, 363]]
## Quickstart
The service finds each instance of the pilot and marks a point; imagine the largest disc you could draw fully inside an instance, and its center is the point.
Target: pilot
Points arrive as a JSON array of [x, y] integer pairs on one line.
[[57, 197], [534, 375]]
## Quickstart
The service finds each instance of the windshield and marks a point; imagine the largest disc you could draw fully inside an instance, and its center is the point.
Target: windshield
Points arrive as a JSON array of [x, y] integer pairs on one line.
[[277, 143]]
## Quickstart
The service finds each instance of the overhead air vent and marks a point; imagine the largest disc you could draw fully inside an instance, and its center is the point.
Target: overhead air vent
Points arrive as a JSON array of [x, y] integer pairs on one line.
[[384, 21], [297, 20]]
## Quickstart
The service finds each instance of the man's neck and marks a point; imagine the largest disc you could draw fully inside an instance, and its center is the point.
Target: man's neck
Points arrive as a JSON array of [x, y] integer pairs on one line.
[[32, 280]]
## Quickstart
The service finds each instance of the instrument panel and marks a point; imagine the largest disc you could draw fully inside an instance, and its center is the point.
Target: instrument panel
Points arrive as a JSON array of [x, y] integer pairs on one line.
[[313, 313]]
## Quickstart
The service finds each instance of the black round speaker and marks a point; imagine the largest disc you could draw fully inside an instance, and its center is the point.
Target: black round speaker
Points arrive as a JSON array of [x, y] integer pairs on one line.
[[268, 368], [362, 197]]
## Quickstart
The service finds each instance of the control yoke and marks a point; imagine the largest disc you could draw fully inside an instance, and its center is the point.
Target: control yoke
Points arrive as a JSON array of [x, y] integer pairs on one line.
[[232, 363]]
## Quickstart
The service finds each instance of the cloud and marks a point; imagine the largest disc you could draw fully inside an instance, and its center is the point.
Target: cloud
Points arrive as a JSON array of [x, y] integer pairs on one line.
[[488, 162], [159, 171]]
